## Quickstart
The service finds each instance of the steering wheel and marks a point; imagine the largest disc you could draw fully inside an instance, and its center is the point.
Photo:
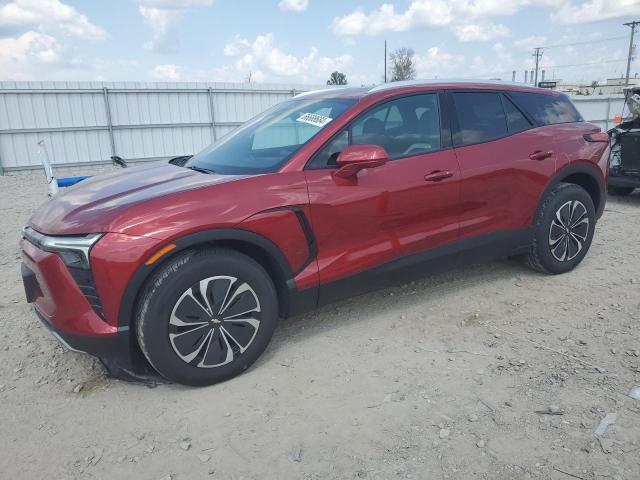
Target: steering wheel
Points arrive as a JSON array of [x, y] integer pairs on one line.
[[417, 147]]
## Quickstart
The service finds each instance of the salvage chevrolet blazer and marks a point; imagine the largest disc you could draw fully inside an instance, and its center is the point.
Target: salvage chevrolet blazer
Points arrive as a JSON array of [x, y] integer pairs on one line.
[[184, 270]]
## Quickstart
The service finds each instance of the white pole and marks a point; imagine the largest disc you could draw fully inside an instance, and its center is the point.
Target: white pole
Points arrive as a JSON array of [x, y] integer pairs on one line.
[[48, 170]]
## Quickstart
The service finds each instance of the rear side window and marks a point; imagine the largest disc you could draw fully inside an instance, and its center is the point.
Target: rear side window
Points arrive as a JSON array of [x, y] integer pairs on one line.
[[480, 117], [516, 121], [547, 109]]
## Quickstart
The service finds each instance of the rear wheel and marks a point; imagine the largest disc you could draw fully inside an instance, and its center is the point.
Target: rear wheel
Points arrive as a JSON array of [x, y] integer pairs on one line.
[[206, 316], [621, 191], [563, 230]]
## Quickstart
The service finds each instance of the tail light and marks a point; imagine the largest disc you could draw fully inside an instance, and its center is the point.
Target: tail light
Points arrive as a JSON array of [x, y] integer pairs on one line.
[[597, 137]]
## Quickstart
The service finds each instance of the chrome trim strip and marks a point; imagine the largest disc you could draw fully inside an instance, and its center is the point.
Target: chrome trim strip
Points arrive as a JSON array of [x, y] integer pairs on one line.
[[57, 336], [80, 244]]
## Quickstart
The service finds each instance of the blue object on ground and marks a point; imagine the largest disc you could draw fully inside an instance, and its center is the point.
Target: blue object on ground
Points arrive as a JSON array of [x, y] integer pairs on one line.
[[68, 181]]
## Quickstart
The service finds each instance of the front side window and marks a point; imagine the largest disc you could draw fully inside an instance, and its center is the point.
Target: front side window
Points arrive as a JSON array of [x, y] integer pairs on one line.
[[547, 109], [267, 142], [480, 117], [406, 126], [403, 127]]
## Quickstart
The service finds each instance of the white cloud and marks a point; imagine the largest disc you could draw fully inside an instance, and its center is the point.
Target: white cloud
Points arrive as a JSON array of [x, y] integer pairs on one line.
[[261, 55], [502, 53], [464, 17], [21, 58], [293, 5], [19, 15], [162, 16], [595, 11], [438, 63], [472, 32], [531, 42], [166, 72], [175, 4], [420, 14]]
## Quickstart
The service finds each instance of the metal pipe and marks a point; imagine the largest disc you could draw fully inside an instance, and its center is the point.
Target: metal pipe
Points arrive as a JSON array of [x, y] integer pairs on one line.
[[52, 184], [109, 124], [212, 115]]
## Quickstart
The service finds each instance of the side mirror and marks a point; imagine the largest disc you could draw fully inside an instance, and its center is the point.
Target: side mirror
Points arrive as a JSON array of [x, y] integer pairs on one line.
[[354, 158]]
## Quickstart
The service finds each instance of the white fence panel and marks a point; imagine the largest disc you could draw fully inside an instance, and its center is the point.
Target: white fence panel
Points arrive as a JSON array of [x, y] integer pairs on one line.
[[85, 123], [599, 109]]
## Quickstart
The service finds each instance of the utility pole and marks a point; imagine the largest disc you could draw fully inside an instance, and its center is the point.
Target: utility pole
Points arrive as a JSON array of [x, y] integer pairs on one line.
[[537, 54], [385, 61], [633, 30]]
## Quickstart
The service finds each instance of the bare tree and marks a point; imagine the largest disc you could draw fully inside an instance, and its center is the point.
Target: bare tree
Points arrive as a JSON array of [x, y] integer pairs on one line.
[[402, 67], [337, 78]]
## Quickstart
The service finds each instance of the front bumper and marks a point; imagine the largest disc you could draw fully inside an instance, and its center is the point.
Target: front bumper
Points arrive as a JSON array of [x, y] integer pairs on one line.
[[632, 181], [55, 293], [65, 311]]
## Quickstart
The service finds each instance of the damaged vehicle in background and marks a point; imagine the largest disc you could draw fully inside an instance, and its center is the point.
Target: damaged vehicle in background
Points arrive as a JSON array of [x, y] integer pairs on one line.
[[624, 173]]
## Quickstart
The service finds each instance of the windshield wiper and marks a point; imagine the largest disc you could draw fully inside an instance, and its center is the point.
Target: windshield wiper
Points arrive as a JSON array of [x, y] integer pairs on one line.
[[201, 169]]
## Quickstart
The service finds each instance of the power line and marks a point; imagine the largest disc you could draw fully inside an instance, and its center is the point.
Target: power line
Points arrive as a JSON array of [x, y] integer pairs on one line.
[[633, 30], [617, 60], [586, 42]]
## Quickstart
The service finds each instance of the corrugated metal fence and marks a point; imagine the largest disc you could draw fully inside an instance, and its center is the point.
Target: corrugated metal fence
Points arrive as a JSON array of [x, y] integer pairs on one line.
[[600, 110], [85, 123]]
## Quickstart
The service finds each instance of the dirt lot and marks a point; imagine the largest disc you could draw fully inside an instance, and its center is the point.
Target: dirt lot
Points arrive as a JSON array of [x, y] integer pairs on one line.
[[436, 379]]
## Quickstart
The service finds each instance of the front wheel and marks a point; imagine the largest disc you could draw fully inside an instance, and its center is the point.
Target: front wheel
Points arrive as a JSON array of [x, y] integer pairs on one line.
[[563, 229], [206, 315]]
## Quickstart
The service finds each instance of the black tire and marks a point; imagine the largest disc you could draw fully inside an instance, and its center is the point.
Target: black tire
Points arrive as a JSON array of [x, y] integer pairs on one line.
[[172, 303], [546, 253], [621, 191]]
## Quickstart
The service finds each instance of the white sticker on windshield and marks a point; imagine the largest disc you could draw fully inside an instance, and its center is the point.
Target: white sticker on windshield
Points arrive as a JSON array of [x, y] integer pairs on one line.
[[314, 119]]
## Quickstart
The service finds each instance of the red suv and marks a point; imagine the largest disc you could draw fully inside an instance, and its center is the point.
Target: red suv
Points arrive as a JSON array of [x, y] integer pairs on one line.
[[186, 269]]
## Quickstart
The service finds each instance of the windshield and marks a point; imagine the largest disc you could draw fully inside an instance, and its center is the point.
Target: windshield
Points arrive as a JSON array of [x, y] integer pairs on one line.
[[267, 142]]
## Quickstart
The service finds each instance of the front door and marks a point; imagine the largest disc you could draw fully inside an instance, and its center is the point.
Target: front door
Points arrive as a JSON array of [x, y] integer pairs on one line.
[[406, 206]]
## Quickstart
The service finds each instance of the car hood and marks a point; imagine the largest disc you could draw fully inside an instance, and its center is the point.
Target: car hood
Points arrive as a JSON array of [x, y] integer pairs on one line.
[[93, 204]]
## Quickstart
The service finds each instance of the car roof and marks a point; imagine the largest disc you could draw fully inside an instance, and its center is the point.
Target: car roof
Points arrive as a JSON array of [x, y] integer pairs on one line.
[[360, 92]]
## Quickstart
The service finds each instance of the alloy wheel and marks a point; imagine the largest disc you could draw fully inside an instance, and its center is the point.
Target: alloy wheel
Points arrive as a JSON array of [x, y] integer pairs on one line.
[[214, 321], [569, 230]]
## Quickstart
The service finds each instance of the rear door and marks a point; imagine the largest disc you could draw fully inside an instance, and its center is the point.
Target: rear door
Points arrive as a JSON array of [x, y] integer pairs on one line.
[[505, 162], [408, 205]]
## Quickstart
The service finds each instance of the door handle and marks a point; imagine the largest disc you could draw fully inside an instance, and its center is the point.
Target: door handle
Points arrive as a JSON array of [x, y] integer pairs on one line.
[[540, 155], [438, 175]]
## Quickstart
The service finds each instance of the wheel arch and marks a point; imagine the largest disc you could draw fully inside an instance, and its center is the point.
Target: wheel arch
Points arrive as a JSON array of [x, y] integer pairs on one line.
[[585, 175], [255, 246]]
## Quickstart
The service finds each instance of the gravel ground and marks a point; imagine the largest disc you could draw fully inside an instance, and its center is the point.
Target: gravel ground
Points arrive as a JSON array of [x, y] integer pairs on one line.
[[441, 378]]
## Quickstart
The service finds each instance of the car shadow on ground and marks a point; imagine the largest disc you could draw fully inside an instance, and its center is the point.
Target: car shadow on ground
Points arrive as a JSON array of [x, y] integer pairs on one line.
[[631, 200], [392, 299]]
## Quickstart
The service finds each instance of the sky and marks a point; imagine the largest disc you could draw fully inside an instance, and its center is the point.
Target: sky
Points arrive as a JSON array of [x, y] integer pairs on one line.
[[303, 41]]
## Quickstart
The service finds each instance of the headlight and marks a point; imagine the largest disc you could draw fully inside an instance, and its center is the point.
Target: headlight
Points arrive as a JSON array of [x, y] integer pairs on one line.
[[73, 250]]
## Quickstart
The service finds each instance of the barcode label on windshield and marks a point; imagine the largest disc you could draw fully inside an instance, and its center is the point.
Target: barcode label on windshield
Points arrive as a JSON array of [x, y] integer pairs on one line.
[[314, 119]]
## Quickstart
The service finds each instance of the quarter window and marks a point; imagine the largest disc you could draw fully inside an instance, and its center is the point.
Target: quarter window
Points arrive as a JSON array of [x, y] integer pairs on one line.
[[547, 109], [516, 121], [480, 116]]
